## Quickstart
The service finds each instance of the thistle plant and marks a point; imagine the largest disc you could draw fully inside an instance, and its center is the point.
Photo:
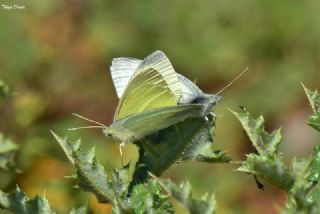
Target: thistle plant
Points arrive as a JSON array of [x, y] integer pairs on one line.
[[142, 190]]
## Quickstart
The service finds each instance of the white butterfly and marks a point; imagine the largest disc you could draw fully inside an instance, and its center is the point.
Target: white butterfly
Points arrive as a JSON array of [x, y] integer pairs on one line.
[[153, 97]]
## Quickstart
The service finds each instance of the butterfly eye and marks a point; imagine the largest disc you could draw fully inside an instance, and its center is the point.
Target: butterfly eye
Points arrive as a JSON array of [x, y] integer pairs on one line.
[[107, 132]]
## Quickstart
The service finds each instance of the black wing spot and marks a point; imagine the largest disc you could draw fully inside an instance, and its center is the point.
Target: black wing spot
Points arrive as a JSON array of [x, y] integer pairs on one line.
[[199, 100]]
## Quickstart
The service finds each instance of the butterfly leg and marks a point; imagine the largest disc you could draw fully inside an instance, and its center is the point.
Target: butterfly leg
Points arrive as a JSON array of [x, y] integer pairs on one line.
[[121, 154], [213, 114]]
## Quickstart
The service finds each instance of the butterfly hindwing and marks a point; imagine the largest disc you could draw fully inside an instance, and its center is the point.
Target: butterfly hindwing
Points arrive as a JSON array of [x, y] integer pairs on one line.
[[189, 90], [122, 69]]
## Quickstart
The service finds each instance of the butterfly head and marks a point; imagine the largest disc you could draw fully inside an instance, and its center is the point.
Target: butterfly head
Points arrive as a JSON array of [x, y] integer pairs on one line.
[[118, 135], [110, 133], [208, 101]]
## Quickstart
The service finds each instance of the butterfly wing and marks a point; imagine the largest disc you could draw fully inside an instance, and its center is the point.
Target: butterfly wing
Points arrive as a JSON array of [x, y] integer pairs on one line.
[[139, 125], [153, 85], [160, 62], [146, 91], [189, 90], [122, 69]]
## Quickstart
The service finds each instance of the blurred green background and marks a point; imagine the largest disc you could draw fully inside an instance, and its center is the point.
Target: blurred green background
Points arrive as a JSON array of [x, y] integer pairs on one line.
[[55, 55]]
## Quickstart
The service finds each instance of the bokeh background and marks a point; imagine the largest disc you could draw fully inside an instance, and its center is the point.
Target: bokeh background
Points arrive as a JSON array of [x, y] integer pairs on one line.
[[55, 55]]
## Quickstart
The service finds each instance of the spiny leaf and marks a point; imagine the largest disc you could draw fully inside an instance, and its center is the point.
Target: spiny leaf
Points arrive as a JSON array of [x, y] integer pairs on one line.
[[304, 195], [314, 99], [66, 146], [210, 156], [119, 185], [113, 187], [80, 210], [187, 140], [183, 194], [200, 148], [314, 121], [268, 163], [164, 148], [150, 198], [18, 203], [315, 165], [264, 142], [90, 174], [301, 181], [270, 168], [7, 153], [109, 187]]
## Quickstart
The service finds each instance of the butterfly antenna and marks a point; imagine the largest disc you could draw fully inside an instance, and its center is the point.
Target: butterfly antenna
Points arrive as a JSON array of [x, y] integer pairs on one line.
[[85, 127], [233, 81], [87, 119]]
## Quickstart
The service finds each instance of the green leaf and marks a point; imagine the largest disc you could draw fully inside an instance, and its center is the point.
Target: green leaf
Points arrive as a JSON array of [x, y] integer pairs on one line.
[[314, 121], [113, 187], [304, 195], [314, 174], [268, 163], [264, 142], [90, 174], [314, 99], [183, 194], [301, 181], [209, 156], [187, 140], [150, 198], [7, 153], [200, 148], [109, 187], [17, 202], [66, 146], [80, 210], [270, 168]]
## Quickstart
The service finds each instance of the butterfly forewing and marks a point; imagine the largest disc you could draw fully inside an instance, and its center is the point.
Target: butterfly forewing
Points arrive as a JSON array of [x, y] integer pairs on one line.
[[160, 62], [153, 85], [146, 91], [145, 123]]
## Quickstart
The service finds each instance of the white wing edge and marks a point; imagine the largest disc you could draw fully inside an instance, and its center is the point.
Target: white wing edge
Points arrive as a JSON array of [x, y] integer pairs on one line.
[[122, 69], [189, 90], [160, 62]]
